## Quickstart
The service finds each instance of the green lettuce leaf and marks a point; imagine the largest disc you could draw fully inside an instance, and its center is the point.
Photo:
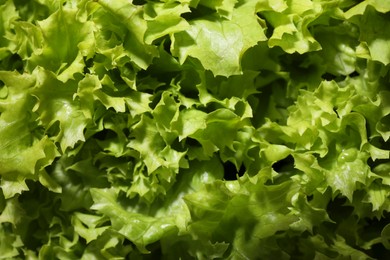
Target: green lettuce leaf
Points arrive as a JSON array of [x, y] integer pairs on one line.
[[219, 43], [290, 23], [61, 51], [368, 18], [61, 108]]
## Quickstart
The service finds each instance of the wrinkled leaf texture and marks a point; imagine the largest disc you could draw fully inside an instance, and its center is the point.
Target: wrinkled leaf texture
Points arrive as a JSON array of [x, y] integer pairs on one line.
[[194, 129]]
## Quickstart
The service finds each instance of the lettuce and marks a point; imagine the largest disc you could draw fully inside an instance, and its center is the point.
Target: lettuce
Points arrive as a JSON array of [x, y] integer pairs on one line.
[[194, 129]]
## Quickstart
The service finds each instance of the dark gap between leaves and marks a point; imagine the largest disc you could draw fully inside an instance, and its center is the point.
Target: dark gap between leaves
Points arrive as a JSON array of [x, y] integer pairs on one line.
[[284, 165], [230, 171]]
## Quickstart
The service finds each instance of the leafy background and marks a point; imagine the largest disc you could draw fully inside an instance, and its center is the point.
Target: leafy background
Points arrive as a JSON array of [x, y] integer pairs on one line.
[[205, 129]]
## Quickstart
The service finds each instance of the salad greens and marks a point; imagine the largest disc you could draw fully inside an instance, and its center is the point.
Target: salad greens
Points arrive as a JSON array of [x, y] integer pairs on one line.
[[194, 129]]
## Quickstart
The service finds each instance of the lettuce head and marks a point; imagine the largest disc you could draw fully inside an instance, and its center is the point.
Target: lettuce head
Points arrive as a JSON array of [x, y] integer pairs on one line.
[[194, 129]]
